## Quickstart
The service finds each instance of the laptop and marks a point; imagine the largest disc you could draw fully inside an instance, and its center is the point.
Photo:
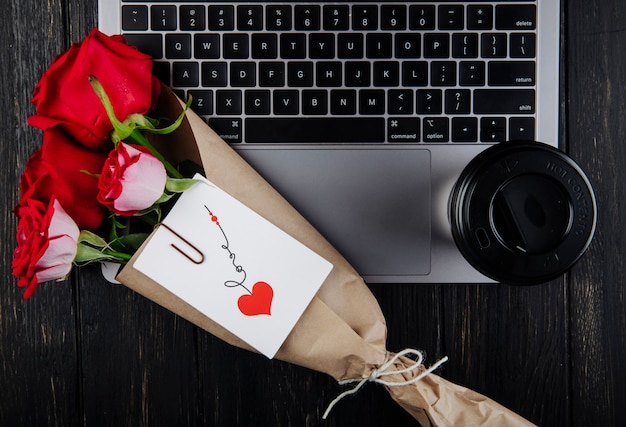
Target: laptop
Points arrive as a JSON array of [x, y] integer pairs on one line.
[[361, 114]]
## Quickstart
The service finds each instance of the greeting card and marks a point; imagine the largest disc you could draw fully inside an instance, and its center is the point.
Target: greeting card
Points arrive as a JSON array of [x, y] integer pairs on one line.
[[233, 266]]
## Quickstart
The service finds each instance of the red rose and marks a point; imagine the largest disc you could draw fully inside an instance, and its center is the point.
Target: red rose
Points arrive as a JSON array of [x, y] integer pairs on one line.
[[64, 97], [46, 244], [57, 169], [132, 179]]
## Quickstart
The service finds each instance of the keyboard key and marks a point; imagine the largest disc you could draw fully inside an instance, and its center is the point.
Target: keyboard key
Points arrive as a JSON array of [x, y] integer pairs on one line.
[[221, 18], [471, 73], [150, 44], [364, 17], [292, 46], [403, 129], [163, 17], [236, 46], [504, 101], [408, 45], [522, 128], [192, 18], [178, 46], [278, 18], [509, 73], [134, 18], [230, 130], [328, 74], [314, 102], [480, 17], [321, 46], [242, 74], [214, 74], [300, 74], [250, 18], [378, 45], [336, 18], [350, 46], [264, 46], [162, 71], [415, 73], [493, 45], [492, 129], [257, 102], [436, 129], [422, 18], [202, 101], [451, 17], [372, 101], [516, 17], [314, 129], [286, 102], [206, 46], [307, 18], [400, 101], [393, 17], [357, 73], [458, 101], [522, 45], [429, 101], [443, 73], [436, 45], [185, 74], [228, 102], [343, 102], [465, 45], [271, 74], [464, 129], [386, 73]]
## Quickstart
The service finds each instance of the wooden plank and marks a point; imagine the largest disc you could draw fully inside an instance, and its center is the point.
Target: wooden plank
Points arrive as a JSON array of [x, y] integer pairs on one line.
[[510, 343], [596, 109], [138, 361], [37, 336]]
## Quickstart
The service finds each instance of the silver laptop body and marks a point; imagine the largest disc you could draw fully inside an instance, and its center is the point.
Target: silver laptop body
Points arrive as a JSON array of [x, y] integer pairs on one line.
[[362, 114]]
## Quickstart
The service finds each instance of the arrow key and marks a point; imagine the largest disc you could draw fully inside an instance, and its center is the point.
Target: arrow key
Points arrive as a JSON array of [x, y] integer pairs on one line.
[[464, 129], [522, 129]]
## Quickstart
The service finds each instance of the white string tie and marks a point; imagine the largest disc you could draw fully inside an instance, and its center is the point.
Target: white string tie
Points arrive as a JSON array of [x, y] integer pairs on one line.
[[383, 371]]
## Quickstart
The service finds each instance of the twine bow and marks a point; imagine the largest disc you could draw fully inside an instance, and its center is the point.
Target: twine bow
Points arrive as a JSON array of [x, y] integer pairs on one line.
[[383, 371]]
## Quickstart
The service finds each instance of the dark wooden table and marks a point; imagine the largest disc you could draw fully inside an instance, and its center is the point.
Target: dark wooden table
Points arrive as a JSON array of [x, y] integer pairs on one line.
[[87, 352]]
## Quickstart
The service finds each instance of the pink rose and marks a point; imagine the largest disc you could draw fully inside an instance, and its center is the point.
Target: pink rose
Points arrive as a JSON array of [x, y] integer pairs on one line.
[[46, 244], [132, 180]]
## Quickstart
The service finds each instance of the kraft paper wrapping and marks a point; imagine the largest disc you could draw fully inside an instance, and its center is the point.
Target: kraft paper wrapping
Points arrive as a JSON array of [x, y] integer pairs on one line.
[[343, 331]]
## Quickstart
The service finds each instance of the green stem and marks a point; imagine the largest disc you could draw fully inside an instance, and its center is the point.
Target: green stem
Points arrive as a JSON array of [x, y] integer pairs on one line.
[[140, 139], [119, 255]]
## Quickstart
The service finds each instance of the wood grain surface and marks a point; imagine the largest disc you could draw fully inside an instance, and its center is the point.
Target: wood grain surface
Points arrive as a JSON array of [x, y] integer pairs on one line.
[[85, 352]]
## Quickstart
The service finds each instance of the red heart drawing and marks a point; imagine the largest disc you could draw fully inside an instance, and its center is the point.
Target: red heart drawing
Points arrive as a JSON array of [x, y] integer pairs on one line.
[[258, 302]]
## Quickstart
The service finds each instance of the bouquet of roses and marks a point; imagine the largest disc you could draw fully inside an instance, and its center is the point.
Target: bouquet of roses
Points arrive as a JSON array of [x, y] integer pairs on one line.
[[103, 161]]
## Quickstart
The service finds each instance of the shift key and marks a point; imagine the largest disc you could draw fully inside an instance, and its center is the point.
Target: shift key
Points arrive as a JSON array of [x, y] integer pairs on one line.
[[504, 101]]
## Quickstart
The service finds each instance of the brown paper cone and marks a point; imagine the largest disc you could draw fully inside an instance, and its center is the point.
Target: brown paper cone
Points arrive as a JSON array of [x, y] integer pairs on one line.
[[343, 331]]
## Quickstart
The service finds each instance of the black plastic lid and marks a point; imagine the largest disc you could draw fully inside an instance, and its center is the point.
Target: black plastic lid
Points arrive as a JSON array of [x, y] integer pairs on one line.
[[522, 212]]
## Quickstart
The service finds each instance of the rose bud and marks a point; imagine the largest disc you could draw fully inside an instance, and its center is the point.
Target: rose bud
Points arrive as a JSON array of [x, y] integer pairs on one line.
[[132, 180], [46, 244]]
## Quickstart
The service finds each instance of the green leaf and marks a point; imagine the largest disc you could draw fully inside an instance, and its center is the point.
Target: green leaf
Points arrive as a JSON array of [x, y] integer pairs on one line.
[[178, 185], [92, 239]]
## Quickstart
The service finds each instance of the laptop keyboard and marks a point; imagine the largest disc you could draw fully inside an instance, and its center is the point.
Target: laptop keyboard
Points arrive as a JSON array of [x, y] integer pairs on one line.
[[347, 73]]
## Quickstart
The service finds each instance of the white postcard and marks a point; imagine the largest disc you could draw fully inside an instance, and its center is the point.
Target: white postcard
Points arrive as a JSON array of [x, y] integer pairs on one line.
[[233, 266]]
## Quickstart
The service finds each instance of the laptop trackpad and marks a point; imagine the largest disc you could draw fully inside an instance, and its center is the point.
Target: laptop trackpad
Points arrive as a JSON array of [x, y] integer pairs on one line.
[[373, 205]]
